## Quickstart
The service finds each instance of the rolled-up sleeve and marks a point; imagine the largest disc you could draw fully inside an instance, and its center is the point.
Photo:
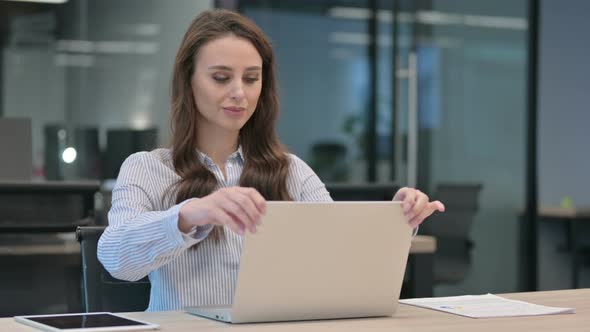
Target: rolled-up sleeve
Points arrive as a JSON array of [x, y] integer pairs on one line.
[[139, 239]]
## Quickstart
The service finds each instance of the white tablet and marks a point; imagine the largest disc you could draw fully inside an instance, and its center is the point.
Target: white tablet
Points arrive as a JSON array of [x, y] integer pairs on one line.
[[85, 322]]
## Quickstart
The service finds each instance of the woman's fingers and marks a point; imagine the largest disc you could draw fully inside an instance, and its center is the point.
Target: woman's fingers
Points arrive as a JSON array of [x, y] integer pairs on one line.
[[416, 205], [257, 198], [221, 218], [233, 210], [438, 206], [420, 203], [407, 196], [419, 218], [245, 206], [429, 209]]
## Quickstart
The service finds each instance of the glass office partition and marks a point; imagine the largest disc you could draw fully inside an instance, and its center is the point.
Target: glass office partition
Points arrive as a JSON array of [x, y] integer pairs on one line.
[[319, 67], [450, 107], [461, 111], [87, 70]]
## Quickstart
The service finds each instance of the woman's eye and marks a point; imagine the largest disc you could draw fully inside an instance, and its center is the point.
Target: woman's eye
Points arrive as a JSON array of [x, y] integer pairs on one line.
[[221, 79], [251, 79]]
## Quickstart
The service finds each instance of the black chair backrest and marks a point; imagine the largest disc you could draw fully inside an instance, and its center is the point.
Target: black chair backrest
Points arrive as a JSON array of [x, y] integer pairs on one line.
[[452, 228], [461, 203], [362, 191], [100, 291]]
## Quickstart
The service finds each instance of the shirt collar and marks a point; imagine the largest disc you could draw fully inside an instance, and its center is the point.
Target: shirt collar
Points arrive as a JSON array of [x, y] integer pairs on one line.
[[237, 155]]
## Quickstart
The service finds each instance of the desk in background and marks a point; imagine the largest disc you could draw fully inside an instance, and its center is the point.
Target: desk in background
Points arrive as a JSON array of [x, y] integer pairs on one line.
[[39, 254], [420, 282], [574, 219], [407, 318]]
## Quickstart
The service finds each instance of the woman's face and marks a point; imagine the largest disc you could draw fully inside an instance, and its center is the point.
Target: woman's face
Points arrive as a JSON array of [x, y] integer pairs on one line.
[[226, 83]]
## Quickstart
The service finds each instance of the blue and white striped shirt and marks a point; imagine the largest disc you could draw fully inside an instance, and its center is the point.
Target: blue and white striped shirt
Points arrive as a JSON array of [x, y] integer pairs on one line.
[[143, 236]]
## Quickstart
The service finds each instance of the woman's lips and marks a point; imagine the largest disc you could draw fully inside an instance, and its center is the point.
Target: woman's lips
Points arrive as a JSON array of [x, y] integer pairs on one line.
[[234, 111]]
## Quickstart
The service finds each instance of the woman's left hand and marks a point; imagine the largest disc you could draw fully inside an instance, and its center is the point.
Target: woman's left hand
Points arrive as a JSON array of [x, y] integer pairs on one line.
[[417, 205]]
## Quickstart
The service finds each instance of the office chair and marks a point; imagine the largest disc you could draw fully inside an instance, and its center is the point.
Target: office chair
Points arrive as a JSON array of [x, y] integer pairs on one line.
[[101, 291], [362, 191], [452, 258], [328, 160]]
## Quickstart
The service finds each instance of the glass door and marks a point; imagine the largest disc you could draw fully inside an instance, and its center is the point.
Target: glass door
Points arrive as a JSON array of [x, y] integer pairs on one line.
[[460, 126]]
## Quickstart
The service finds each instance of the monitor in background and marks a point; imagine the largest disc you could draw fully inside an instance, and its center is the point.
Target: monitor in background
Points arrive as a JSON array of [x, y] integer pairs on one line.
[[121, 143], [84, 163]]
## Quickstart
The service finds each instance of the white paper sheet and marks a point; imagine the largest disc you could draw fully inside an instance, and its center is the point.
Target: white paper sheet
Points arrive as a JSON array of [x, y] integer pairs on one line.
[[485, 306]]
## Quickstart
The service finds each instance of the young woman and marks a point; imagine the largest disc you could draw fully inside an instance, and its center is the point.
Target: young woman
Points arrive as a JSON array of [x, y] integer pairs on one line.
[[178, 214]]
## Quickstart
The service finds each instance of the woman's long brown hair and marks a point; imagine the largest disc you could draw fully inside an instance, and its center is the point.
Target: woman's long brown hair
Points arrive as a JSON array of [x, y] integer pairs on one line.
[[266, 161]]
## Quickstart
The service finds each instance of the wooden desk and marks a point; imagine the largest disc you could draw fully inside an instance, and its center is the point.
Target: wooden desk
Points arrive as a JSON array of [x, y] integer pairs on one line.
[[582, 213], [27, 244], [407, 318], [423, 244], [574, 219]]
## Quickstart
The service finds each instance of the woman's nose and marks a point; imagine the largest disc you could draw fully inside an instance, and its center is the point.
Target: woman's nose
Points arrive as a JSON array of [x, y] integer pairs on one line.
[[237, 92]]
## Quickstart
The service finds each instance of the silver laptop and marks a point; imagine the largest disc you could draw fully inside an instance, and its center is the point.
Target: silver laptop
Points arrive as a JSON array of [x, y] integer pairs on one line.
[[320, 261]]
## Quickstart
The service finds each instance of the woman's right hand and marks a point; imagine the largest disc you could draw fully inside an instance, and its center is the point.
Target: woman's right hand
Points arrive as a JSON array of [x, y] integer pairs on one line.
[[238, 208]]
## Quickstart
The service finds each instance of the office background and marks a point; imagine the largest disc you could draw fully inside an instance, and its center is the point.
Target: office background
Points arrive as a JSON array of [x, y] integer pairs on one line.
[[563, 127], [92, 74]]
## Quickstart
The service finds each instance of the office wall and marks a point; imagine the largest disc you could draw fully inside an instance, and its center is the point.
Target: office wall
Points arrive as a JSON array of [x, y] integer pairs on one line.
[[564, 114], [564, 117]]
